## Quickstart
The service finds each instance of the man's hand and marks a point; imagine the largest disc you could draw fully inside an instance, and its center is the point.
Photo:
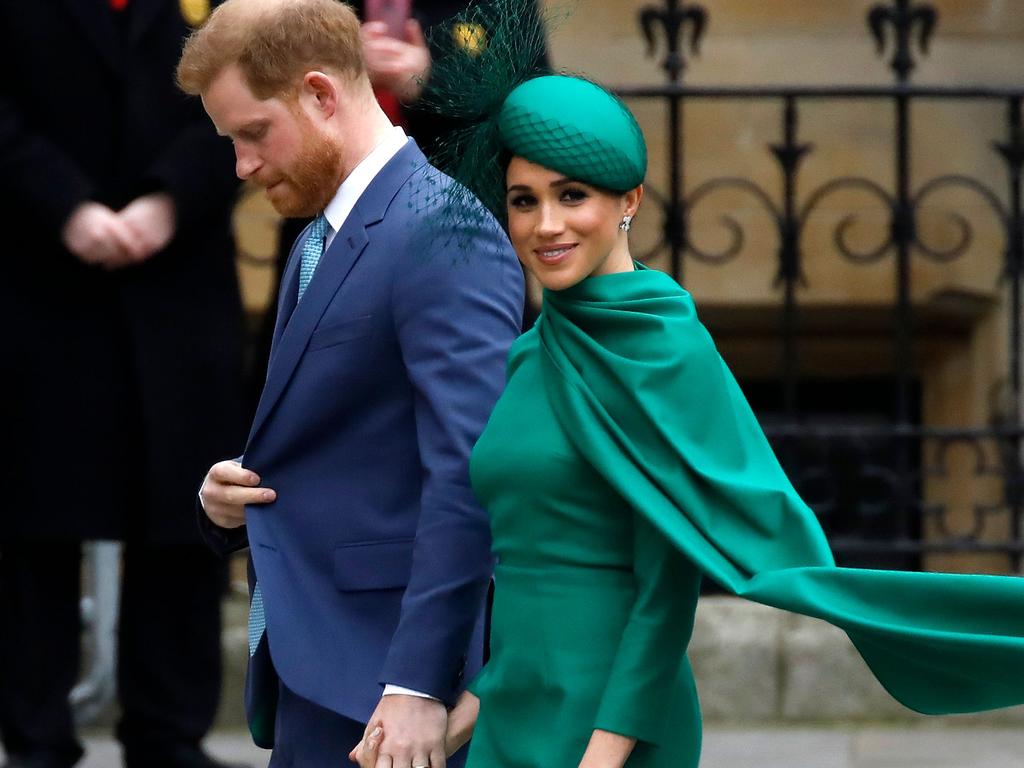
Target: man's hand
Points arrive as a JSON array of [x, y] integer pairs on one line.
[[151, 219], [400, 66], [228, 487], [96, 235], [413, 732]]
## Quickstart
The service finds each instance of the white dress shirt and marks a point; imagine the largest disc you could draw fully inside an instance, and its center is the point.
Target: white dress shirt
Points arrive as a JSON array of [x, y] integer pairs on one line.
[[355, 184]]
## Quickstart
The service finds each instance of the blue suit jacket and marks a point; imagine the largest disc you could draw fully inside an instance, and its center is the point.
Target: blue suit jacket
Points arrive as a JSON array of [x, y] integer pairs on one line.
[[375, 558]]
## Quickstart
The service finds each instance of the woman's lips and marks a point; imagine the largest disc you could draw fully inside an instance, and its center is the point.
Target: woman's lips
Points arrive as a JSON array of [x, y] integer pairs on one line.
[[551, 255]]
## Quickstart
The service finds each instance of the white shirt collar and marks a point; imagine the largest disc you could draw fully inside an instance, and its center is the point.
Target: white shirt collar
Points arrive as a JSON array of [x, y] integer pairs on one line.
[[360, 178]]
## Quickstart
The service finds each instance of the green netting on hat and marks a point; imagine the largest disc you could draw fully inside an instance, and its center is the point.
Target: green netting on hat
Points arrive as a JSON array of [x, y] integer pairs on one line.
[[480, 56], [575, 127]]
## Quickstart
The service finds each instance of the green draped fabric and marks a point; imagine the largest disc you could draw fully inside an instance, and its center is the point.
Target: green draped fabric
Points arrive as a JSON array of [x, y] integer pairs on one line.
[[637, 384]]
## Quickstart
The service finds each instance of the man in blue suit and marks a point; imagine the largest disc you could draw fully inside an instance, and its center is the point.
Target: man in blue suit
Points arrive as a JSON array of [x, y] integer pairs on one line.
[[371, 556]]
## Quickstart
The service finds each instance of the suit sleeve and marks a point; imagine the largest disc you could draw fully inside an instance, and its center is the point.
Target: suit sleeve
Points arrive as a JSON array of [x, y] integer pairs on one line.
[[223, 541], [456, 312], [645, 673]]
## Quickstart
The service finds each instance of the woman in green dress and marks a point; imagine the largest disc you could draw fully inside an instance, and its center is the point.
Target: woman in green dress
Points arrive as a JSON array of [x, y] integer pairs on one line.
[[622, 465]]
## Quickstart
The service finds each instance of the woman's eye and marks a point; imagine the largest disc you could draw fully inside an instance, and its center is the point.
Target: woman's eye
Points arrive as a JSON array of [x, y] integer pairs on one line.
[[522, 201], [574, 195]]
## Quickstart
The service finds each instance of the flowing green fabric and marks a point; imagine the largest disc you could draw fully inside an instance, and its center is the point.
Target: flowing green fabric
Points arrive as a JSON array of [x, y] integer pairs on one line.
[[637, 384]]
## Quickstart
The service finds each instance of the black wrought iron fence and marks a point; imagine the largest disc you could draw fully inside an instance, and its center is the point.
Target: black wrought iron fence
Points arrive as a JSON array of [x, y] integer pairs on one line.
[[888, 491]]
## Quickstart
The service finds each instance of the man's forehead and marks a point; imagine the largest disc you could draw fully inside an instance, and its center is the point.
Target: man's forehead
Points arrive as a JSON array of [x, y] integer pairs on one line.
[[231, 103]]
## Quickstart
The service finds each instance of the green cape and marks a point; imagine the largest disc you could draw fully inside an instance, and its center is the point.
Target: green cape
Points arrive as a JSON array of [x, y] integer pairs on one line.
[[642, 392]]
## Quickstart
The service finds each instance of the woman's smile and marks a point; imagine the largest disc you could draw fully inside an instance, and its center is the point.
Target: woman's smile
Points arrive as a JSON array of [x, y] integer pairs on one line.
[[552, 255]]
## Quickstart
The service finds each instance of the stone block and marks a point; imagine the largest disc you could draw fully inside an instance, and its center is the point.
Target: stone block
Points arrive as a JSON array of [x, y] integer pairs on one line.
[[824, 678], [735, 658]]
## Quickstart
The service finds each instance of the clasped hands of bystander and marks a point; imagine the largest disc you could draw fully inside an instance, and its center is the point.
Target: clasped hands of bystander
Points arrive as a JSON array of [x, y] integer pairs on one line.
[[98, 235]]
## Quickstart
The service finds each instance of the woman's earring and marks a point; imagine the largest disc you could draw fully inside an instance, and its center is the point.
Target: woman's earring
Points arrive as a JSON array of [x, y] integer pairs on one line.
[[627, 222]]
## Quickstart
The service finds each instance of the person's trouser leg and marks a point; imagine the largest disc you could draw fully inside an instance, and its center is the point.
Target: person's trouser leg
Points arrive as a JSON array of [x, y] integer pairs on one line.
[[39, 648], [169, 672]]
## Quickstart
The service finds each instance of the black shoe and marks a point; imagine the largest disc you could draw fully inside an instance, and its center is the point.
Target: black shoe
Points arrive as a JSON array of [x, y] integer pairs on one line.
[[175, 757]]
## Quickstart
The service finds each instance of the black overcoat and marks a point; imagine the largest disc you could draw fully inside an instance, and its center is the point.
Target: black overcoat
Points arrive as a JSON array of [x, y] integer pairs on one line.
[[120, 388]]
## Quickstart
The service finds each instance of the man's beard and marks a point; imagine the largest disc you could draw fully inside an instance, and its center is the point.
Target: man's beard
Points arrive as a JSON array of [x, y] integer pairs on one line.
[[311, 183]]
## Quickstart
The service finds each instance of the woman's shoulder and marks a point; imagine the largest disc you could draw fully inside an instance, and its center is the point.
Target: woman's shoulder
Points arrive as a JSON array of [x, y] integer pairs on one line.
[[523, 348]]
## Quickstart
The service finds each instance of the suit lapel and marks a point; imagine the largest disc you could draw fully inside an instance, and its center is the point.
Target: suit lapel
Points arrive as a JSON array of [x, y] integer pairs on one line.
[[98, 26], [295, 331], [292, 333], [288, 294]]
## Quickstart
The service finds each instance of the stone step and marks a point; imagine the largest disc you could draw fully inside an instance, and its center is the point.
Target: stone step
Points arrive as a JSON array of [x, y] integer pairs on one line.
[[754, 666]]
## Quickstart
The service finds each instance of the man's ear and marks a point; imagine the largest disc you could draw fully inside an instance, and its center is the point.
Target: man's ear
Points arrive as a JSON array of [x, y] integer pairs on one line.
[[320, 93]]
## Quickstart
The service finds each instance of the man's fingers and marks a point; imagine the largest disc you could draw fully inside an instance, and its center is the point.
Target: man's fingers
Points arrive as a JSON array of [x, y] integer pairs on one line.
[[438, 759], [233, 473], [375, 29], [125, 239], [238, 496], [383, 761]]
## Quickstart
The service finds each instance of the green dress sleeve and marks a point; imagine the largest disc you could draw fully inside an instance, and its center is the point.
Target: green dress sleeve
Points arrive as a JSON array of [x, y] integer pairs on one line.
[[652, 649], [636, 382]]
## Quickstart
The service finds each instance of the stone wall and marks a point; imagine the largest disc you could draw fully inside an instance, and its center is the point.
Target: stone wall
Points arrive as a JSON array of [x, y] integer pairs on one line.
[[755, 664]]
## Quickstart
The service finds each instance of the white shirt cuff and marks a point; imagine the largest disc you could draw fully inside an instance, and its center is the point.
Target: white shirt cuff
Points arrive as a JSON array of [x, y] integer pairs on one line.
[[392, 690]]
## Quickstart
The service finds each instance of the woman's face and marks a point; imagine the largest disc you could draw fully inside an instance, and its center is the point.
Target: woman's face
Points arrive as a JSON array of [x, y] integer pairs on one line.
[[563, 230]]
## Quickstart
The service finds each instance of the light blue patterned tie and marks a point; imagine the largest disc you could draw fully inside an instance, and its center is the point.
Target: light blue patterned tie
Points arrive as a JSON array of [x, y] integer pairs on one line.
[[312, 250], [257, 619]]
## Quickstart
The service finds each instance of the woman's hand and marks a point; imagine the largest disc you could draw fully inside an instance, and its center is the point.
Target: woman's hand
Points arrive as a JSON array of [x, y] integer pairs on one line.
[[367, 751], [607, 750], [461, 722]]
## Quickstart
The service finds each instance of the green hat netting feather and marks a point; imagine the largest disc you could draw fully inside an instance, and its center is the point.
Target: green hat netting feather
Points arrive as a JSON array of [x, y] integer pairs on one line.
[[488, 75]]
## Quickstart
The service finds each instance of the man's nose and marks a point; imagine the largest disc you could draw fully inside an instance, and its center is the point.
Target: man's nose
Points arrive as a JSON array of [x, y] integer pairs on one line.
[[246, 163]]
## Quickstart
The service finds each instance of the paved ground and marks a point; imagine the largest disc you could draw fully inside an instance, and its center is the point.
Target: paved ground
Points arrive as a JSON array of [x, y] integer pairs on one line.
[[873, 747]]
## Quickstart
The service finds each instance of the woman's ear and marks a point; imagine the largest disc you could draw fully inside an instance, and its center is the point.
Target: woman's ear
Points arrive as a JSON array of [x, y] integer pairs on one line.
[[632, 200]]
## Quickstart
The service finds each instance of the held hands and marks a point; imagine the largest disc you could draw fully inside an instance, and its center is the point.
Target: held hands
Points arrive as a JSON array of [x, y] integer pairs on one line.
[[400, 66], [461, 721], [404, 732], [228, 487], [98, 235]]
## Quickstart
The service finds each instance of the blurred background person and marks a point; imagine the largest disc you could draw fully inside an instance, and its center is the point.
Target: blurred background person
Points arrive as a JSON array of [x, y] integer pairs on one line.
[[121, 369]]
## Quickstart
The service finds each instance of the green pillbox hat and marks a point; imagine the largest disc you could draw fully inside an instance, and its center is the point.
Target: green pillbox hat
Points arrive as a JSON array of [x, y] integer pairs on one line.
[[575, 127]]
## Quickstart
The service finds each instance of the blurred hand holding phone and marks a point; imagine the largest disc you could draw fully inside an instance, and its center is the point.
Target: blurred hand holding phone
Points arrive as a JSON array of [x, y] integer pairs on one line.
[[394, 14]]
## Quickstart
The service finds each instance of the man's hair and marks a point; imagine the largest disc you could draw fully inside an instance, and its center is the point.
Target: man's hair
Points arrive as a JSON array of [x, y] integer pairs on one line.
[[274, 43]]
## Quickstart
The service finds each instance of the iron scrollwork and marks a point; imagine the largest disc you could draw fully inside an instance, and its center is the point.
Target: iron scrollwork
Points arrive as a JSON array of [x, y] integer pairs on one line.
[[675, 19], [905, 17]]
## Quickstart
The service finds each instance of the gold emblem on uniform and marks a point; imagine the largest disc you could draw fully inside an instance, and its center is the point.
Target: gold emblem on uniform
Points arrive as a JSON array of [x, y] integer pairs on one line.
[[194, 12], [472, 38]]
